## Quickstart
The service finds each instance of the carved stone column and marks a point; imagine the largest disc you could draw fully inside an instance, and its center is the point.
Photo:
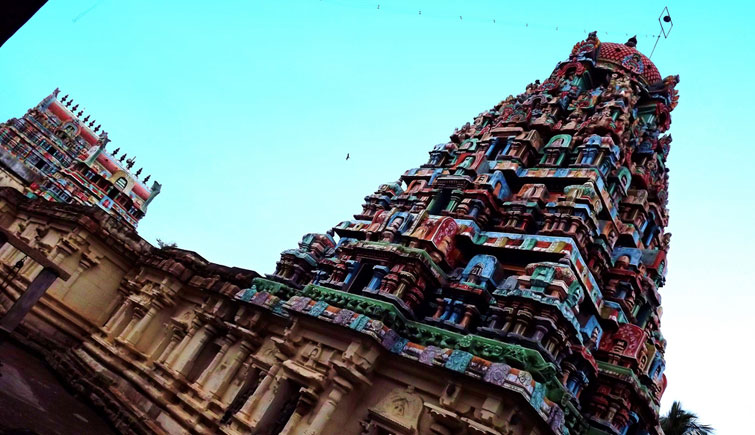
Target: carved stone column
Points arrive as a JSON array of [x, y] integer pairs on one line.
[[153, 352], [137, 331], [341, 387], [187, 356], [219, 385], [185, 342], [307, 400], [113, 320], [175, 338], [136, 314], [119, 316], [210, 370], [251, 404]]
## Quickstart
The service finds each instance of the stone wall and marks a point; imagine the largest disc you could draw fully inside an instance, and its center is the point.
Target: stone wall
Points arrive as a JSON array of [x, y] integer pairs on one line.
[[163, 341]]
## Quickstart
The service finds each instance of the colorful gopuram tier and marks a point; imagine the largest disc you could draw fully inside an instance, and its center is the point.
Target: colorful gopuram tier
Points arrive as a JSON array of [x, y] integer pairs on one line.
[[52, 153], [526, 254]]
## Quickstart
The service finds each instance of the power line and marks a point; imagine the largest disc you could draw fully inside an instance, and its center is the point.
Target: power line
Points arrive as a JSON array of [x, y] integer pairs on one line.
[[491, 19]]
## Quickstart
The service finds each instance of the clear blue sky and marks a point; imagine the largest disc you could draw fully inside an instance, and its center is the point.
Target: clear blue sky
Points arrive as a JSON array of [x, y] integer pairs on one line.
[[245, 111]]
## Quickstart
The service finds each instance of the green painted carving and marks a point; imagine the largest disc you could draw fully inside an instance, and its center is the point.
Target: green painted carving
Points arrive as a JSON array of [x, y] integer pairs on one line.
[[465, 346], [275, 288], [427, 335]]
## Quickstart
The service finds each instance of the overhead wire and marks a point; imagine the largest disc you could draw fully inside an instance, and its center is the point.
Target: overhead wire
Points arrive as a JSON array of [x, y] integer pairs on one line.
[[471, 18]]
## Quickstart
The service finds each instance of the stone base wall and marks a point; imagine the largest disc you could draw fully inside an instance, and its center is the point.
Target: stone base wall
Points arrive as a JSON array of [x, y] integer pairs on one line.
[[174, 349]]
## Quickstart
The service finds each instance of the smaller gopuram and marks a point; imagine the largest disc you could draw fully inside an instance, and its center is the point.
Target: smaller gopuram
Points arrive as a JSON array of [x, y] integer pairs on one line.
[[53, 153]]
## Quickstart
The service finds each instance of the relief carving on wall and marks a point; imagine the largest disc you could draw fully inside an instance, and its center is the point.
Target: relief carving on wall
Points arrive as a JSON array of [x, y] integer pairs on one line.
[[400, 410]]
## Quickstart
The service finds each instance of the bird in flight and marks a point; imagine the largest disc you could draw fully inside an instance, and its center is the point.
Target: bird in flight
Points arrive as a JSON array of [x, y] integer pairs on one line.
[[347, 156]]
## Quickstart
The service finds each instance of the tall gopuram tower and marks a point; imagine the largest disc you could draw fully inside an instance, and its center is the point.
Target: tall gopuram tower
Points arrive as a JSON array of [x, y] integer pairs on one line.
[[510, 284], [53, 153]]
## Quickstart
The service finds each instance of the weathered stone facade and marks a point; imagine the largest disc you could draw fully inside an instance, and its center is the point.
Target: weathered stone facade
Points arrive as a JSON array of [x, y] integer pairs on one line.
[[158, 341], [507, 286]]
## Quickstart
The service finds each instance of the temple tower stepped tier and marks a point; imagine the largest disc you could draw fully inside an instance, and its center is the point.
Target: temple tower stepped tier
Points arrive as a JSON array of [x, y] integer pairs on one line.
[[507, 286]]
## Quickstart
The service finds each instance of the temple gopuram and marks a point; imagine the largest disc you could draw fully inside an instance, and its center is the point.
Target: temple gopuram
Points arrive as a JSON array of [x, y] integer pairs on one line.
[[510, 285], [53, 154]]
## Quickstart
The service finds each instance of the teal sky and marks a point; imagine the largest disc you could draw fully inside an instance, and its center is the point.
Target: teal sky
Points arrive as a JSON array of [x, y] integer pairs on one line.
[[245, 112]]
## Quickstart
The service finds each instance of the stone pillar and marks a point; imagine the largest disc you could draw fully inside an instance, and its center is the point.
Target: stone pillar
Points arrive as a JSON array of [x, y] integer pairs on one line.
[[26, 301], [116, 318], [209, 371], [219, 385], [340, 388], [189, 353], [251, 403], [137, 331], [307, 399], [171, 359], [175, 338], [159, 349], [232, 391], [133, 320]]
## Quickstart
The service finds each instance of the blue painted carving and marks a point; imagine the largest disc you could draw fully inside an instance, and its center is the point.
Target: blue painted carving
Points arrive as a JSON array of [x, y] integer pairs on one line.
[[359, 322], [657, 367], [542, 277], [501, 189], [345, 241], [458, 361], [456, 309], [495, 146], [435, 175], [632, 421], [398, 346], [634, 254], [379, 273], [576, 381], [352, 266], [319, 276], [592, 331], [318, 308], [645, 147], [247, 295], [448, 308], [484, 270], [651, 229], [405, 224], [511, 283], [538, 394]]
